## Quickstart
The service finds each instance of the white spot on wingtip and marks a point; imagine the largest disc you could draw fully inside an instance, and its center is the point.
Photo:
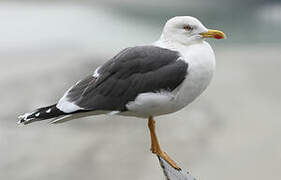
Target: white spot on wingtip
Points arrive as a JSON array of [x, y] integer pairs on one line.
[[49, 110], [23, 119], [37, 114], [24, 116]]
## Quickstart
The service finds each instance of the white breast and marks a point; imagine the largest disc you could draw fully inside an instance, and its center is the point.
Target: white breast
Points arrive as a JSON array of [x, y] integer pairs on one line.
[[201, 61]]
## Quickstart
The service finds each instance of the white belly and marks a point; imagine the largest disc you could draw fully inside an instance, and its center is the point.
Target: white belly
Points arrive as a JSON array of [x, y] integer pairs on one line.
[[201, 61]]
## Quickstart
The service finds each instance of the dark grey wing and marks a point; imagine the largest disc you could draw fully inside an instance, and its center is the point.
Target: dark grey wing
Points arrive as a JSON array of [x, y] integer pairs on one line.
[[131, 72]]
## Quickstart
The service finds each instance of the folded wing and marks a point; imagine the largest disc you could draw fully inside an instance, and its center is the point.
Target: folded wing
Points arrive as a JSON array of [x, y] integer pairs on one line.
[[133, 71]]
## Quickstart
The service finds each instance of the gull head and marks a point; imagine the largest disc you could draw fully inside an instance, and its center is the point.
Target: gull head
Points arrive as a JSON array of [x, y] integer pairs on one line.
[[188, 30]]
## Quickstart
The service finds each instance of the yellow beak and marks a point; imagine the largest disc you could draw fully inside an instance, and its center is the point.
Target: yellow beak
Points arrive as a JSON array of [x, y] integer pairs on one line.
[[213, 34]]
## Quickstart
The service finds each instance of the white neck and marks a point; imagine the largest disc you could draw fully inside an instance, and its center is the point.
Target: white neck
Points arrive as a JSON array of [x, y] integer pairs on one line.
[[196, 52], [165, 42]]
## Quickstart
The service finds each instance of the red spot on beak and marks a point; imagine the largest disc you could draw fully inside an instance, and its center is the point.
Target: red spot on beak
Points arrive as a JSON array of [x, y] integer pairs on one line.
[[217, 36]]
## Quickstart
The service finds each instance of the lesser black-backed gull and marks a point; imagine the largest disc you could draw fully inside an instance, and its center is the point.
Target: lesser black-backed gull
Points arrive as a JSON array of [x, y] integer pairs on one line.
[[143, 81]]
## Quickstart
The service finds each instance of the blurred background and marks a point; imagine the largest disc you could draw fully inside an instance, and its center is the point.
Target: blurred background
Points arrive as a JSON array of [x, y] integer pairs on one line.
[[231, 132]]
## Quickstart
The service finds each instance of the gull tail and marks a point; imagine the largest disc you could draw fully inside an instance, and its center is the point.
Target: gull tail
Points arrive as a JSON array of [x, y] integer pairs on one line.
[[41, 114]]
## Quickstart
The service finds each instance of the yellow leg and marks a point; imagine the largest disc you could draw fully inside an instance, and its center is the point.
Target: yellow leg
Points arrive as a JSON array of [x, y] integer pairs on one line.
[[155, 146]]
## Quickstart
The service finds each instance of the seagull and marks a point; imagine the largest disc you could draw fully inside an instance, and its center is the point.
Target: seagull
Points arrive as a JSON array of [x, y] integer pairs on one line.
[[143, 81]]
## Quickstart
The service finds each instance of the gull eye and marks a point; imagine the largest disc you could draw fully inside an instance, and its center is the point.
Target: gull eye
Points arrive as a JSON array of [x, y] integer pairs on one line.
[[188, 28]]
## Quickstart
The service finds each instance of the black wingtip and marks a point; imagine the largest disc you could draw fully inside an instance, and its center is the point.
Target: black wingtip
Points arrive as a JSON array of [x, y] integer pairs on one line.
[[40, 114]]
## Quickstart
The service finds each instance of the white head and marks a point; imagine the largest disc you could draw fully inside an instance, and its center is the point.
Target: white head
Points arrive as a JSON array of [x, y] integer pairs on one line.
[[188, 30]]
